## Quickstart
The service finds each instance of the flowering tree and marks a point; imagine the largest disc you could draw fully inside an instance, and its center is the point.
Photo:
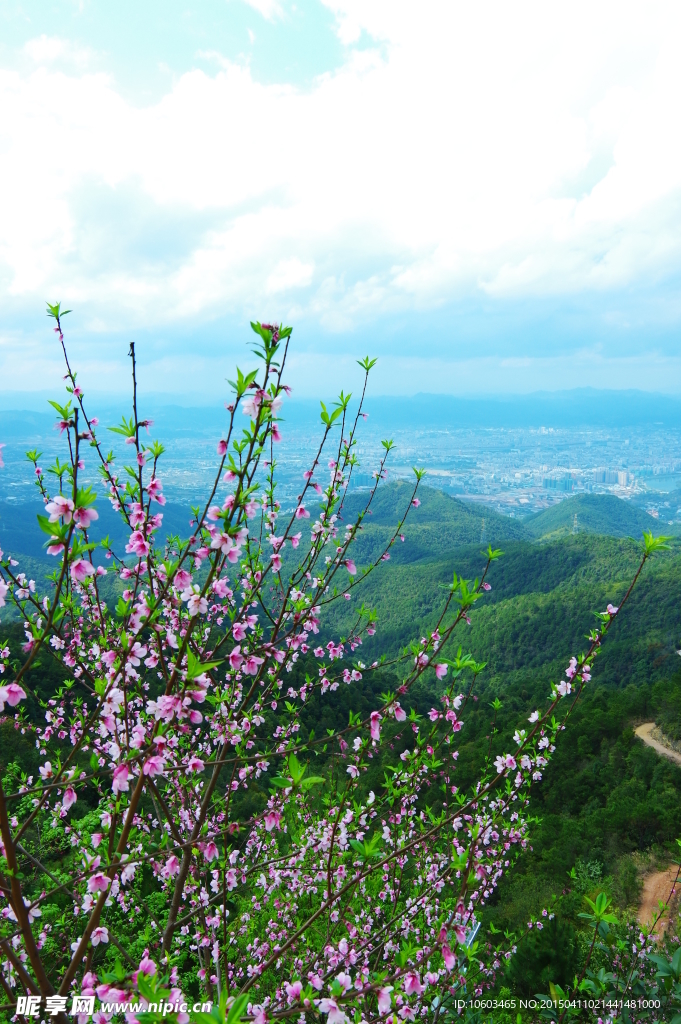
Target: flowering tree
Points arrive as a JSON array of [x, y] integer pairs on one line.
[[202, 842]]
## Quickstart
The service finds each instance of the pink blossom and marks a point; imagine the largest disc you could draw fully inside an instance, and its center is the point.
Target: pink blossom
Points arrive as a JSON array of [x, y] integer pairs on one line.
[[302, 513], [136, 653], [99, 882], [351, 567], [416, 502], [251, 664], [504, 761], [400, 713], [293, 990], [100, 934], [239, 631], [251, 406], [84, 516], [154, 489], [412, 984], [222, 447], [441, 670], [276, 562], [154, 765], [195, 764], [146, 966], [137, 514], [69, 798], [230, 879], [81, 570], [384, 1002], [172, 867], [612, 610], [11, 695], [196, 602], [295, 540], [221, 589], [336, 1015], [272, 818], [182, 579], [211, 851], [137, 545], [449, 958], [375, 720], [121, 774], [235, 658], [60, 507]]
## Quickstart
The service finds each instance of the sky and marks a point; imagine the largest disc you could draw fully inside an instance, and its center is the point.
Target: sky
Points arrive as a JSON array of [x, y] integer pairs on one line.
[[487, 197]]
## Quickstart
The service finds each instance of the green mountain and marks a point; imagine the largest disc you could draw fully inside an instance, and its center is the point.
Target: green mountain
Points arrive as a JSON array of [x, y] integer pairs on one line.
[[590, 513], [443, 523], [440, 523], [606, 801]]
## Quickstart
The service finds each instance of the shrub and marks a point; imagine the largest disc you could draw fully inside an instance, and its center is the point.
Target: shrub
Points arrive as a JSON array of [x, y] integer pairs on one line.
[[195, 830]]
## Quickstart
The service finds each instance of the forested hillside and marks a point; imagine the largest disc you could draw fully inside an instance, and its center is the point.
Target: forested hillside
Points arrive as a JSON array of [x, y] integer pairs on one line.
[[606, 802], [607, 799]]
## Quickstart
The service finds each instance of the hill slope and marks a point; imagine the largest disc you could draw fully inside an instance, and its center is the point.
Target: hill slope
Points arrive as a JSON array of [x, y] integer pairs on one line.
[[590, 513], [440, 525]]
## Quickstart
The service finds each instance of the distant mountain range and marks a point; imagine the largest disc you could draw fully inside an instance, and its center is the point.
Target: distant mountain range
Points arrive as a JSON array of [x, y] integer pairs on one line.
[[575, 408], [440, 524]]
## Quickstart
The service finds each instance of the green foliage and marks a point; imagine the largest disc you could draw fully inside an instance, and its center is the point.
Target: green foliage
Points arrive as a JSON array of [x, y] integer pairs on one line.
[[544, 957]]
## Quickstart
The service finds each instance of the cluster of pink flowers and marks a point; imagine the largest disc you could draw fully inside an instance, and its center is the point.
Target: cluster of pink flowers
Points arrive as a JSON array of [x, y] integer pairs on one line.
[[323, 894]]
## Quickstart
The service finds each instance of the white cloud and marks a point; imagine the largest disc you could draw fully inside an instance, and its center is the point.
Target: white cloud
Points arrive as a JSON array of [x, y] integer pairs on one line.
[[48, 49], [270, 9], [289, 274], [476, 149]]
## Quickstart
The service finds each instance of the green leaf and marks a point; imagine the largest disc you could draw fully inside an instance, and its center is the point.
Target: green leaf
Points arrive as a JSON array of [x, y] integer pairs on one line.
[[314, 780], [237, 1009], [652, 544], [56, 312], [195, 668], [52, 529]]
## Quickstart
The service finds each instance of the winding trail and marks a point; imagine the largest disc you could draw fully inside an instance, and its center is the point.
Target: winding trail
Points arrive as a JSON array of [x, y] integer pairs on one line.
[[656, 888], [644, 731], [657, 885]]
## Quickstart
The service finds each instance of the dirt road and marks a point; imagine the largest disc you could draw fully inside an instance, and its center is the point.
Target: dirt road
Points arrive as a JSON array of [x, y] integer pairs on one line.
[[657, 887], [644, 731]]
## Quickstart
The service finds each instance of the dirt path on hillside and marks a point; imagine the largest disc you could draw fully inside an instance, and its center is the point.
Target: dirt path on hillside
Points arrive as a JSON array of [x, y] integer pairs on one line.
[[656, 887], [644, 731]]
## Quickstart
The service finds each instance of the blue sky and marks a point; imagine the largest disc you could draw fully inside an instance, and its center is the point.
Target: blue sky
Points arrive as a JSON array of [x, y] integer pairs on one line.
[[487, 197]]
